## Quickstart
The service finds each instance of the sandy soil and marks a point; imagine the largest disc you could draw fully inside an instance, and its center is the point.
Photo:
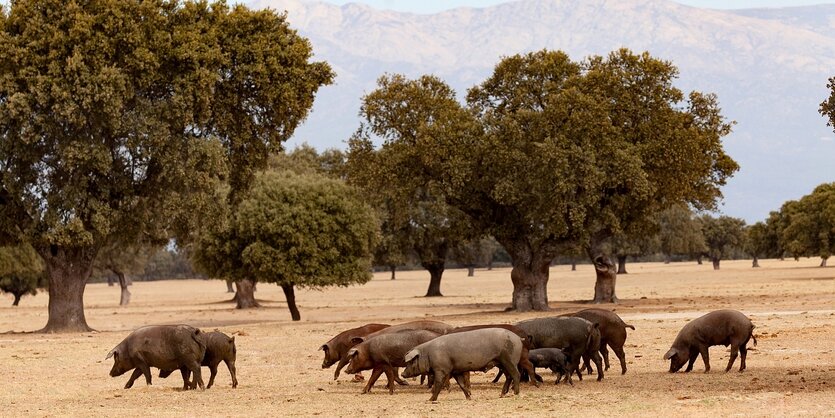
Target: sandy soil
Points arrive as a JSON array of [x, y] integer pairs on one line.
[[790, 373]]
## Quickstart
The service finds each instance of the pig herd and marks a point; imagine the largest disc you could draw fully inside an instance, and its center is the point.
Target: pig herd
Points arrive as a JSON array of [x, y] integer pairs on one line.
[[565, 345]]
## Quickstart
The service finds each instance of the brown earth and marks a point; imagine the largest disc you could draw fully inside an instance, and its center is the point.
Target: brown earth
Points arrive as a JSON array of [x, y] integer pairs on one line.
[[790, 372]]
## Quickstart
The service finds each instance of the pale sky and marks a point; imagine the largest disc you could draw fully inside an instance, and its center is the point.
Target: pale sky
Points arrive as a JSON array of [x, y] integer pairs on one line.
[[432, 6]]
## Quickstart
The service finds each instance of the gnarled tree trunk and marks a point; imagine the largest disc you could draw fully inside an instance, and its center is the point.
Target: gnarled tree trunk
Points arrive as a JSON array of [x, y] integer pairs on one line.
[[622, 264], [68, 270], [16, 299], [229, 288], [756, 262], [823, 262], [290, 295], [124, 299], [715, 261], [436, 271], [529, 275], [245, 296], [470, 271], [604, 285]]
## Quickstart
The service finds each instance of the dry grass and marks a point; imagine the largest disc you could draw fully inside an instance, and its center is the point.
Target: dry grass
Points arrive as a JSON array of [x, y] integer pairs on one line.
[[791, 372]]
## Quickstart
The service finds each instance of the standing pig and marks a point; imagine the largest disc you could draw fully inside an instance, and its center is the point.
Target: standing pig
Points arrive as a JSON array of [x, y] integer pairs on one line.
[[612, 333], [456, 354], [167, 347], [434, 326], [384, 353], [725, 327], [219, 347], [338, 346], [576, 336]]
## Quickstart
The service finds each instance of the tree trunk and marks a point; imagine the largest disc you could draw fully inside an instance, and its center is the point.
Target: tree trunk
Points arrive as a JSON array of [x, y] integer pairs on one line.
[[436, 271], [490, 264], [823, 262], [470, 271], [123, 283], [530, 287], [393, 270], [229, 288], [699, 260], [756, 262], [245, 296], [573, 265], [110, 281], [68, 270], [16, 299], [715, 262], [604, 284], [622, 264], [290, 295]]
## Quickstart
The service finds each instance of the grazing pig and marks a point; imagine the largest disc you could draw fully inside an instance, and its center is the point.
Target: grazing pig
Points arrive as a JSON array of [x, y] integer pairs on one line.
[[434, 326], [384, 353], [612, 333], [338, 346], [575, 336], [167, 347], [219, 347], [524, 364], [456, 354], [725, 327], [550, 358]]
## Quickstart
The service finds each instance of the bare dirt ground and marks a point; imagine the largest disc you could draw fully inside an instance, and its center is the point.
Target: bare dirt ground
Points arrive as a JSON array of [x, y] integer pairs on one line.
[[790, 373]]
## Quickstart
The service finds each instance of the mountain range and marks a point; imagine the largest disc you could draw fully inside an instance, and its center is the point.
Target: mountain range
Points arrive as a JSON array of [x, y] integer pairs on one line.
[[769, 68]]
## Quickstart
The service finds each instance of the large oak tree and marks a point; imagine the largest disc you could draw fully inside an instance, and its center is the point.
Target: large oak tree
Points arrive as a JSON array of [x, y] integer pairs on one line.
[[117, 118], [569, 153]]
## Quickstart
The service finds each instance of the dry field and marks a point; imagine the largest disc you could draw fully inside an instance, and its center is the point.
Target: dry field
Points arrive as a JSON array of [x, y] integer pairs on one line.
[[790, 373]]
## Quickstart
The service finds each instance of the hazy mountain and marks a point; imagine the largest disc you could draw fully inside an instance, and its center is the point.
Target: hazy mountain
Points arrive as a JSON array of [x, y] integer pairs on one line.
[[768, 66]]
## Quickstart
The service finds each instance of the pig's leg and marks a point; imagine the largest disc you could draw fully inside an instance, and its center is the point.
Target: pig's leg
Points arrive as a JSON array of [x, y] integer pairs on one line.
[[705, 357], [693, 356], [438, 384], [231, 366], [213, 370], [527, 367], [734, 351], [375, 374], [198, 376], [185, 373], [513, 375], [135, 375], [621, 357], [604, 352], [459, 378], [586, 364], [598, 363], [399, 380], [147, 372], [743, 352], [389, 371]]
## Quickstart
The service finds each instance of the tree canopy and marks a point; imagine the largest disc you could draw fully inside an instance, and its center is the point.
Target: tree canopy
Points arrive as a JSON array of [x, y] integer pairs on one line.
[[680, 232], [21, 271], [551, 152], [722, 234], [291, 229], [117, 118], [810, 224]]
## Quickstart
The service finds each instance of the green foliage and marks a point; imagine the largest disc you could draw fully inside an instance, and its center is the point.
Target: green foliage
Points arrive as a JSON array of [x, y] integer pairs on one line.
[[127, 113], [810, 223], [21, 271], [413, 211], [680, 232], [827, 107], [304, 159], [293, 229], [722, 235], [476, 252], [759, 241]]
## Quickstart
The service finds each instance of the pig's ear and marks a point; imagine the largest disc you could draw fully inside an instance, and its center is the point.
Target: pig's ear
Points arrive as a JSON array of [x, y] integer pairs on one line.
[[232, 340], [111, 354], [670, 354], [411, 355], [352, 353], [357, 340], [324, 348]]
